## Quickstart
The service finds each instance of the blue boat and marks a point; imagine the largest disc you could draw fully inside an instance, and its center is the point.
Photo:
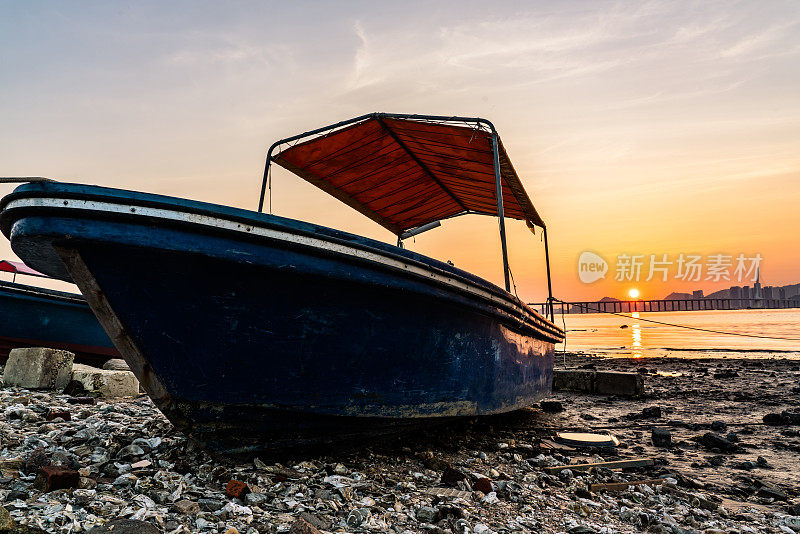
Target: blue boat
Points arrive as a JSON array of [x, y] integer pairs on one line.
[[253, 332], [38, 317]]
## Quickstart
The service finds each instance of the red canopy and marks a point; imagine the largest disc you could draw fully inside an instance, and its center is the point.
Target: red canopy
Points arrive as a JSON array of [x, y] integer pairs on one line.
[[406, 172], [17, 267]]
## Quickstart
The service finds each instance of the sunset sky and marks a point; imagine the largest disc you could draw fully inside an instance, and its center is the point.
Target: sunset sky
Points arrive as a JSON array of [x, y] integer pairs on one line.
[[636, 127]]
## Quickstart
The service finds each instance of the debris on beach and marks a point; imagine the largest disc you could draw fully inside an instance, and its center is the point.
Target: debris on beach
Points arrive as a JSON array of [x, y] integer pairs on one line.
[[104, 465], [586, 439]]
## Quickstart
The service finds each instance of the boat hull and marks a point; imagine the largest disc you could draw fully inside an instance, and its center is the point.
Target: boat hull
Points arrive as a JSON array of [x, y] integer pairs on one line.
[[275, 333], [37, 317]]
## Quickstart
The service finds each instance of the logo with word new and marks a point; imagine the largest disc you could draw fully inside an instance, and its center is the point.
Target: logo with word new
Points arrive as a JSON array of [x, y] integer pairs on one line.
[[591, 267]]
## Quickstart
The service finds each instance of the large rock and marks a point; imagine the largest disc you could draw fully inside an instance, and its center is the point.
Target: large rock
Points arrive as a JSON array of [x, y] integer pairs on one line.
[[38, 368], [301, 526], [713, 441], [551, 406], [783, 418], [6, 522], [108, 384], [116, 364], [662, 437]]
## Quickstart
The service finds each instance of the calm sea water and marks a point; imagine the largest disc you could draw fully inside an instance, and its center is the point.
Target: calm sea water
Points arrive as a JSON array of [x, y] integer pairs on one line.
[[602, 334]]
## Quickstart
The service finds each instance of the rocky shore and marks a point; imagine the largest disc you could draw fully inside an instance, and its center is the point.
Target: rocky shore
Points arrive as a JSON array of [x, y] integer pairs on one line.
[[726, 458]]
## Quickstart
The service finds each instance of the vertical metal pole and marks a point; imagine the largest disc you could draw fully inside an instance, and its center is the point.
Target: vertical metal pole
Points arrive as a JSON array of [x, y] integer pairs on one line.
[[498, 186], [549, 285], [266, 177], [263, 186]]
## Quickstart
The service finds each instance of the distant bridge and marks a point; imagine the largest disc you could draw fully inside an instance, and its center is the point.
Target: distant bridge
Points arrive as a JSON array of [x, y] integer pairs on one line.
[[628, 306]]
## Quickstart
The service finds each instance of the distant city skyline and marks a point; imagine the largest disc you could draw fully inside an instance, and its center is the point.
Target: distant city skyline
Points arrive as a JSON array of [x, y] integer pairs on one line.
[[757, 291]]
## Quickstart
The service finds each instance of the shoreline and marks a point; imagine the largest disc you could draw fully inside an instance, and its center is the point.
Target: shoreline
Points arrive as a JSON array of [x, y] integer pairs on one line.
[[687, 354]]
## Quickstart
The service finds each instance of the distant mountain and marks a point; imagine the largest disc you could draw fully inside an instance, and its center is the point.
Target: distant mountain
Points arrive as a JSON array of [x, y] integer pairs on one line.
[[678, 296], [721, 294], [792, 290], [608, 299]]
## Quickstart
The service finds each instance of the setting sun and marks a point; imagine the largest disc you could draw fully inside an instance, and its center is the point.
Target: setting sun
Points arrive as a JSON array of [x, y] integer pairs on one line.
[[633, 293]]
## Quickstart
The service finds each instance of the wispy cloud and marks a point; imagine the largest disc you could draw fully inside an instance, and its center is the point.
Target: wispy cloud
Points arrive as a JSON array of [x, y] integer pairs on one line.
[[755, 43], [364, 73], [462, 55]]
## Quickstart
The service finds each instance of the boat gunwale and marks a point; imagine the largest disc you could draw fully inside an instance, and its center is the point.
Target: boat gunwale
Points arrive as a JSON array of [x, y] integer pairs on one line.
[[249, 217], [40, 292], [519, 310]]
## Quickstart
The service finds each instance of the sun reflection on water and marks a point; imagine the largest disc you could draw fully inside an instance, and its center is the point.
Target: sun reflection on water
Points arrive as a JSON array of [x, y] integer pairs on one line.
[[636, 333]]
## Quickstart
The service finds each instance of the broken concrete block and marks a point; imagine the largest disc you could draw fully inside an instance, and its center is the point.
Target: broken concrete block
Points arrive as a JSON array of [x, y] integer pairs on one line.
[[599, 382], [108, 384], [38, 368], [52, 477], [573, 380], [116, 364], [618, 383]]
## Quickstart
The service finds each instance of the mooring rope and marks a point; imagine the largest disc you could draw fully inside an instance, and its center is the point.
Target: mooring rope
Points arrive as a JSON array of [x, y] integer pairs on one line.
[[682, 325]]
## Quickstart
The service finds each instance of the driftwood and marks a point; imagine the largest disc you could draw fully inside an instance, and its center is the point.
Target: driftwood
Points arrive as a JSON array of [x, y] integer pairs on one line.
[[638, 462], [550, 444], [621, 486]]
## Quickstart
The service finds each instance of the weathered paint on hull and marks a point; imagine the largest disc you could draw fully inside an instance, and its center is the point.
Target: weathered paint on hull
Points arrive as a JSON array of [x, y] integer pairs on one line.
[[250, 342], [37, 317]]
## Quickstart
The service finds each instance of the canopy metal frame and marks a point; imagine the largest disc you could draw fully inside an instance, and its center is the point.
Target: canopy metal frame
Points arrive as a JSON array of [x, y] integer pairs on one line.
[[479, 123], [16, 268]]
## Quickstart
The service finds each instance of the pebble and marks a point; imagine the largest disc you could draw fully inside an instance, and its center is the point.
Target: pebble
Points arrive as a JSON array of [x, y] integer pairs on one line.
[[126, 526], [719, 426], [662, 437], [185, 506], [451, 476], [551, 406], [301, 526], [257, 499], [210, 505], [483, 485], [426, 514], [236, 489], [713, 441], [651, 412]]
